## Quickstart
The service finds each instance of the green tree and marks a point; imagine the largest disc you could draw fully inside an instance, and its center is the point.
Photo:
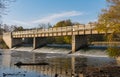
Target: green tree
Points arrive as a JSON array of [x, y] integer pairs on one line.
[[65, 39], [109, 20], [18, 28], [113, 51], [64, 23]]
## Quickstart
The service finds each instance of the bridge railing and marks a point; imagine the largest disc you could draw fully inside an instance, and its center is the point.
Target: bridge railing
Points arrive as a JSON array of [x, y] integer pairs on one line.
[[57, 29]]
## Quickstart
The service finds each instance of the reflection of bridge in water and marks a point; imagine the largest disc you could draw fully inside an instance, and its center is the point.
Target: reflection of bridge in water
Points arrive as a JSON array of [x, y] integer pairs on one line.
[[78, 33], [59, 64], [73, 67]]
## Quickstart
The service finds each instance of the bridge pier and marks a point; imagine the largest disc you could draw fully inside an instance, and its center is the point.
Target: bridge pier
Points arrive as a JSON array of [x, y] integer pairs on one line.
[[78, 41], [39, 42]]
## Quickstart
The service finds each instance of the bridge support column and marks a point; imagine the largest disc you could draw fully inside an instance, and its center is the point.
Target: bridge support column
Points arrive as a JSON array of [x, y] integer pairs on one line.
[[39, 42], [78, 41]]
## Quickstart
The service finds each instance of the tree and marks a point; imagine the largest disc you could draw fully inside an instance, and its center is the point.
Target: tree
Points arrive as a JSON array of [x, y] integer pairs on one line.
[[109, 20], [3, 5], [10, 28], [6, 28], [44, 26], [64, 23], [65, 39], [113, 51], [17, 28]]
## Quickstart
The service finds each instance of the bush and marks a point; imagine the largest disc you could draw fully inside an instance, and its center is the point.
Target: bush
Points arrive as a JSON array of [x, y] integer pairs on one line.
[[113, 51]]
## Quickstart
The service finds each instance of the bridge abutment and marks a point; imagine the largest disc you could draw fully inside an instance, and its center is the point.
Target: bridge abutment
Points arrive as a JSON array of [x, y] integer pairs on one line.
[[39, 42], [78, 41], [11, 42], [7, 37]]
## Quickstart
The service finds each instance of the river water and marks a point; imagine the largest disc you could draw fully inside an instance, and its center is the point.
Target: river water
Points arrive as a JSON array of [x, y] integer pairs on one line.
[[60, 65]]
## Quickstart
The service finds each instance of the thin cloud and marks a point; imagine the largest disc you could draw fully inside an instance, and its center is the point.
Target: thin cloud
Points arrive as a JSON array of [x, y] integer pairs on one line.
[[49, 19], [20, 22], [57, 16]]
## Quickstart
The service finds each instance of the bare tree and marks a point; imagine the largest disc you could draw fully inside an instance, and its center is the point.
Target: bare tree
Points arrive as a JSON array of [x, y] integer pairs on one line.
[[3, 6], [44, 26]]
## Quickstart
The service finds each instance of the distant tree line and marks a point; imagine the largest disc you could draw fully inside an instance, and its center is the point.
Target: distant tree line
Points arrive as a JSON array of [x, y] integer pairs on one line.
[[10, 28]]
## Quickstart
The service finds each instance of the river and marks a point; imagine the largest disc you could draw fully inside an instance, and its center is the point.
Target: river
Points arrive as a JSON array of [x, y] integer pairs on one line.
[[59, 64]]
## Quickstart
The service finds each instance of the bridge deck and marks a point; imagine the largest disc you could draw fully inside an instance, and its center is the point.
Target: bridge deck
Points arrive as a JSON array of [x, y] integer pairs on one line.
[[58, 31]]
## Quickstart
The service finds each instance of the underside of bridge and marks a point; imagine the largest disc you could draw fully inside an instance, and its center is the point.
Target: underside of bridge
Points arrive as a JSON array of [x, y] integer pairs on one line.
[[39, 42]]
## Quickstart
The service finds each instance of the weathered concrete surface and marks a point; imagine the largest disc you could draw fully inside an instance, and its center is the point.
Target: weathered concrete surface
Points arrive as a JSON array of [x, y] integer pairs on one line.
[[7, 37], [10, 42], [78, 41]]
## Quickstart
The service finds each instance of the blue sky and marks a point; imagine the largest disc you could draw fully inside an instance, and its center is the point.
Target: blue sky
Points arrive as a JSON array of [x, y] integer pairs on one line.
[[30, 13]]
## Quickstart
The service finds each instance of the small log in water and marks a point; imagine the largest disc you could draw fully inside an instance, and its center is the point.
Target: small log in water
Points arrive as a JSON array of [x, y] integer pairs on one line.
[[20, 64]]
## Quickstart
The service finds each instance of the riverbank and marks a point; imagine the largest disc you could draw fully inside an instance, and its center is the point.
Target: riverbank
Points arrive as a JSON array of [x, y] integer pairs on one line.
[[104, 71]]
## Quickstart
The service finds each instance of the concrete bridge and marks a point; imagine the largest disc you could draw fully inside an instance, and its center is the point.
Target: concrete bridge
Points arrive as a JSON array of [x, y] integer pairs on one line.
[[77, 32]]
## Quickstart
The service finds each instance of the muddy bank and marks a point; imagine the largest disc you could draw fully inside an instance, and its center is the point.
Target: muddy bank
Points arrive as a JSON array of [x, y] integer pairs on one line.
[[104, 71]]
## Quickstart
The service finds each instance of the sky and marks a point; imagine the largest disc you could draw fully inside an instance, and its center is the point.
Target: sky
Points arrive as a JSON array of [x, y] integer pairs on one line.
[[30, 13]]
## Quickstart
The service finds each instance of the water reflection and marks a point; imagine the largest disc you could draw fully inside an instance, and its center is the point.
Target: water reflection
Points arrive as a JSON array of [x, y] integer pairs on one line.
[[63, 65], [6, 59], [59, 64]]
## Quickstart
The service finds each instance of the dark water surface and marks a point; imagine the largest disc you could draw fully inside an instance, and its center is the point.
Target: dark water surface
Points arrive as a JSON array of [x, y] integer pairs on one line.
[[63, 65]]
